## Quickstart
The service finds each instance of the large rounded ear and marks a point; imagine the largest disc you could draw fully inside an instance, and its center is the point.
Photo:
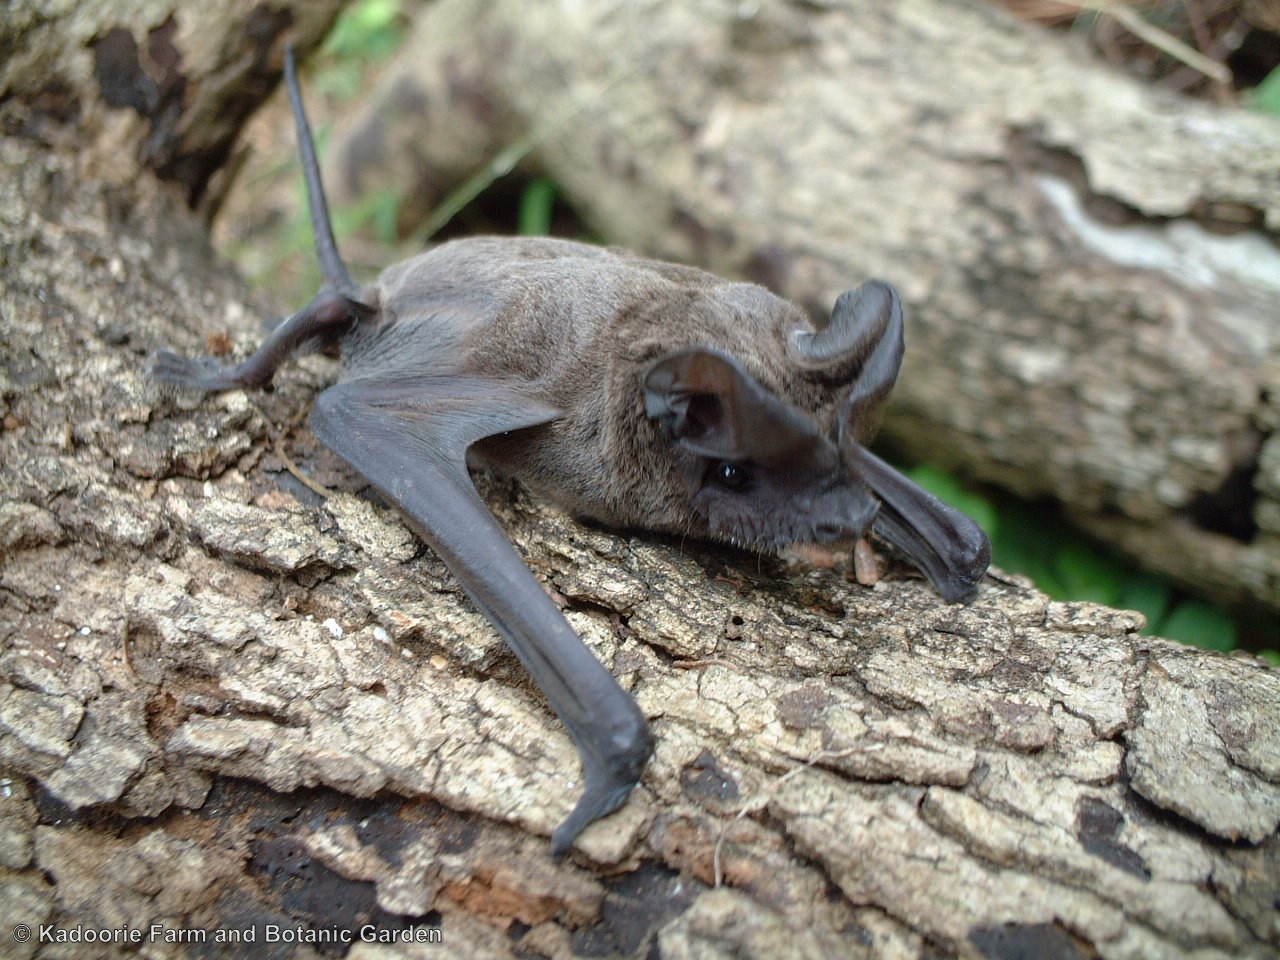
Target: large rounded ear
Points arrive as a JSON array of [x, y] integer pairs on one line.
[[862, 342], [711, 406], [874, 309]]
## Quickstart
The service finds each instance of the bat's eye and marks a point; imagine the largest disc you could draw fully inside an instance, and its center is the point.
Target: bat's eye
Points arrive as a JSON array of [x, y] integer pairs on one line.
[[732, 475]]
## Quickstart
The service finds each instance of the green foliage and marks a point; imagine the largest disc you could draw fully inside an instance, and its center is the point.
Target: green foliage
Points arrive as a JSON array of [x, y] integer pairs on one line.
[[1035, 542], [1266, 95], [1087, 573], [368, 31], [1148, 593], [537, 203], [1201, 624], [379, 211]]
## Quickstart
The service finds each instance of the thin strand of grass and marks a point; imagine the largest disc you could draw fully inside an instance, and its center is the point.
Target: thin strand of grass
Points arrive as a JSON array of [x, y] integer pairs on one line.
[[301, 477], [1148, 32], [506, 159], [766, 793]]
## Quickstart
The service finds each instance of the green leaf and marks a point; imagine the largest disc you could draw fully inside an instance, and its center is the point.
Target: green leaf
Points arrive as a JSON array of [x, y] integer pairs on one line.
[[1032, 539], [1266, 95], [537, 203], [1149, 594], [379, 209], [369, 30], [1087, 573], [1025, 542], [1202, 625]]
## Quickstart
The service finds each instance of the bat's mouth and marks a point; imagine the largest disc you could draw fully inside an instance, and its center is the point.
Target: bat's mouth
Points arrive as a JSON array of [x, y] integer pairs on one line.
[[822, 555]]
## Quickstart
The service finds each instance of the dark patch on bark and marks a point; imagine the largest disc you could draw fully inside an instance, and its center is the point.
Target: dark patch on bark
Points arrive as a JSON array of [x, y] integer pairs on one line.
[[1229, 509], [803, 709], [148, 78], [1098, 830], [1035, 941], [705, 780], [637, 905]]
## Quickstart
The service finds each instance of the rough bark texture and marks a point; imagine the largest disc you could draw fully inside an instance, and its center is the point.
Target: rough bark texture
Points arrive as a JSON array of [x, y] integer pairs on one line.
[[156, 85], [228, 705], [1090, 266], [229, 708]]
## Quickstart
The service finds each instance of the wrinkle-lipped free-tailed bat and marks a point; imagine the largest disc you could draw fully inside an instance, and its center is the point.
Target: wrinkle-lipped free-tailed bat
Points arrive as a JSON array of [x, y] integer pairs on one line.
[[627, 390]]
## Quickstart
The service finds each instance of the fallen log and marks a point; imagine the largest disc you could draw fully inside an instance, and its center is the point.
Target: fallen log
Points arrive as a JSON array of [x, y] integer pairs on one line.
[[240, 717], [1089, 264]]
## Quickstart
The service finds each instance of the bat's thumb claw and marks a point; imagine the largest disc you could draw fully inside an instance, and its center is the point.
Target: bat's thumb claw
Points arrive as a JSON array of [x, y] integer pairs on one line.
[[609, 782], [594, 803]]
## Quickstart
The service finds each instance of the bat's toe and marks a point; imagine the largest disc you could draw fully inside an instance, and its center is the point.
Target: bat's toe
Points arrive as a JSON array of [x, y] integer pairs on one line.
[[203, 374]]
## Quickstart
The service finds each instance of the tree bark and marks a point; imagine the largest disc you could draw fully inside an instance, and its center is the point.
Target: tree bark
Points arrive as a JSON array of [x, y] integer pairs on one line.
[[1090, 266], [229, 705], [157, 86]]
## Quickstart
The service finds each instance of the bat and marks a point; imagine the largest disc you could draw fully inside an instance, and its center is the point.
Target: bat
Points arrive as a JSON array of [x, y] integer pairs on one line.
[[634, 392]]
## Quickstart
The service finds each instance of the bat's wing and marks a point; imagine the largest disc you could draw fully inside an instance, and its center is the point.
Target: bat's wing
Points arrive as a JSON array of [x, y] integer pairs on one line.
[[950, 548], [409, 439]]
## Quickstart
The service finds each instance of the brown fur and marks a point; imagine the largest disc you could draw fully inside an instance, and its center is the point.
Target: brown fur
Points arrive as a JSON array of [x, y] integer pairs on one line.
[[575, 326]]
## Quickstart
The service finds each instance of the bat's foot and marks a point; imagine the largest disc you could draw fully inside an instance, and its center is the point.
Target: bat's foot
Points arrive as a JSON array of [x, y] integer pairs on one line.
[[202, 374]]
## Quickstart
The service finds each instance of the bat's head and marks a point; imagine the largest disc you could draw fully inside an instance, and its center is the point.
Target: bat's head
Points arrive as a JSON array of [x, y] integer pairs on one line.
[[763, 472]]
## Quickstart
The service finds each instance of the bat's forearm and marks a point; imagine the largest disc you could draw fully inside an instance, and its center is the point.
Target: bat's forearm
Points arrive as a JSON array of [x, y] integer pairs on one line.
[[612, 735], [415, 458], [608, 728]]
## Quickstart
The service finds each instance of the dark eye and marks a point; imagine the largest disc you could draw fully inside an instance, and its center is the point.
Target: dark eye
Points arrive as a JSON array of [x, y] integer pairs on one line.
[[732, 475]]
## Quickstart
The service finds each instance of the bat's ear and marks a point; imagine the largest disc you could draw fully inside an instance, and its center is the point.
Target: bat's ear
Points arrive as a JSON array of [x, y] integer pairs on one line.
[[876, 311], [709, 404], [862, 342], [949, 547]]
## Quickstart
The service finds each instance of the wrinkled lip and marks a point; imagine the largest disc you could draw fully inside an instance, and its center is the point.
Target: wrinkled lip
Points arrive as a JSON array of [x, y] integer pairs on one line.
[[823, 555]]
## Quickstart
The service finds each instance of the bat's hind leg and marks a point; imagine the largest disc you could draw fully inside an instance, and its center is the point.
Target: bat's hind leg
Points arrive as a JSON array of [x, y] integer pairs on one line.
[[322, 322]]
